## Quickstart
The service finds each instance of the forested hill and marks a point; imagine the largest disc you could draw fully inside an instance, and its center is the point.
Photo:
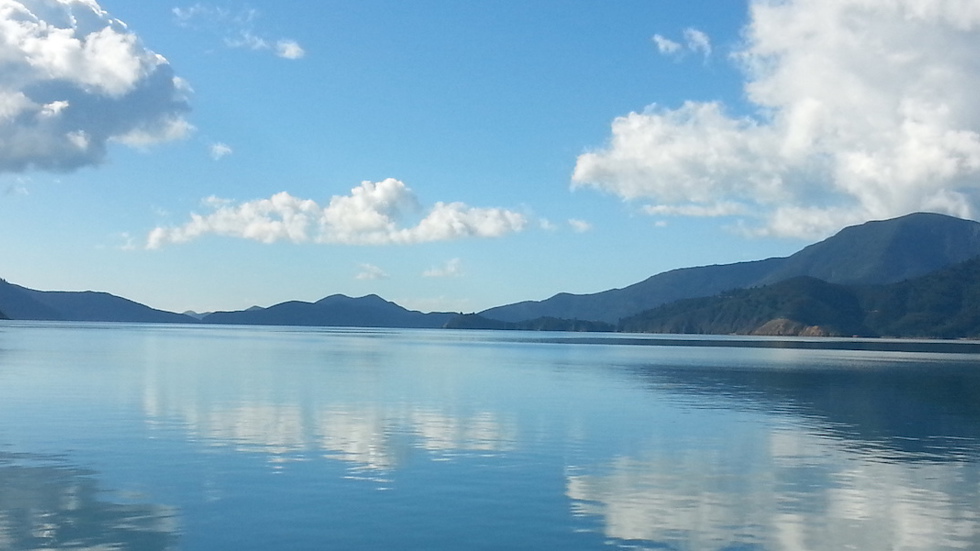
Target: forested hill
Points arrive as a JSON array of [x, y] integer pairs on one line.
[[334, 310], [873, 253], [943, 304]]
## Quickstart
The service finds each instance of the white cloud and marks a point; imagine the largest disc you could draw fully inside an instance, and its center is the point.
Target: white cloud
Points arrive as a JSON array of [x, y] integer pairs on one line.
[[289, 49], [695, 41], [863, 109], [220, 150], [579, 226], [236, 27], [666, 45], [373, 214], [370, 272], [72, 79], [452, 268]]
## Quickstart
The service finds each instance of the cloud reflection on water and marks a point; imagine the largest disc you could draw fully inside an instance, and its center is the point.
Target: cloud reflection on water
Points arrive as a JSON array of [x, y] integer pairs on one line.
[[754, 449], [805, 491], [47, 504], [369, 435]]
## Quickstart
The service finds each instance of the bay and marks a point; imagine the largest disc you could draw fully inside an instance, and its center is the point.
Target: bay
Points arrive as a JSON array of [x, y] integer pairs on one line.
[[116, 436]]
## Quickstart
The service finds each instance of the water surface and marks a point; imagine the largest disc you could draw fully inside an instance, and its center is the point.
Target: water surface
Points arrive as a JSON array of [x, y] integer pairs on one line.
[[150, 437]]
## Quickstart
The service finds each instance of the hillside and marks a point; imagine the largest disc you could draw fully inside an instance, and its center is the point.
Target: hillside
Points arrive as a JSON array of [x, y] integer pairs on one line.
[[333, 311], [21, 303], [872, 253], [476, 321], [943, 304]]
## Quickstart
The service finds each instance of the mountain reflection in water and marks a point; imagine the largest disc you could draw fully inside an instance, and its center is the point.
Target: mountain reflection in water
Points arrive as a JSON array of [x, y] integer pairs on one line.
[[873, 453], [309, 439]]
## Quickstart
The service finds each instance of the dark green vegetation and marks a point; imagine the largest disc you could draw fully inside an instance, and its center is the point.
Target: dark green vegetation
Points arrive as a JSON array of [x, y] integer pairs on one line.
[[802, 305], [907, 277], [476, 321], [943, 304], [869, 254]]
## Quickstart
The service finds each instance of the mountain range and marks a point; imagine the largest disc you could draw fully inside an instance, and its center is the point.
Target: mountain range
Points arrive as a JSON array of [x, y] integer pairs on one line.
[[873, 253], [942, 304], [869, 257], [333, 311], [21, 303]]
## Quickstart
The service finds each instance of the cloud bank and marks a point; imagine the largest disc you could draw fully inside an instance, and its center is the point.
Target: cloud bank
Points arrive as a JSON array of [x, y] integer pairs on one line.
[[373, 214], [73, 79], [862, 109]]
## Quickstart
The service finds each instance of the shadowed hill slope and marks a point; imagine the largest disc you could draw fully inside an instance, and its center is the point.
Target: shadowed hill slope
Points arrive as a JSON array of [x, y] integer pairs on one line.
[[334, 311], [21, 303], [872, 253], [942, 304]]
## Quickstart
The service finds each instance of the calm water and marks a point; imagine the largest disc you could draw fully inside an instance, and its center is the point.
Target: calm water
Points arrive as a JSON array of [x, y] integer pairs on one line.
[[205, 438]]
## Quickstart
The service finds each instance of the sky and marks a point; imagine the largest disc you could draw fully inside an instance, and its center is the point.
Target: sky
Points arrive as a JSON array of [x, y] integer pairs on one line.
[[454, 156]]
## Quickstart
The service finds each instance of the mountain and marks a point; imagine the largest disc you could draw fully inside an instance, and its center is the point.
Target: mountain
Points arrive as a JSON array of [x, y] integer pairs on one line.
[[22, 303], [942, 304], [334, 311], [800, 305], [876, 252], [885, 251], [19, 303]]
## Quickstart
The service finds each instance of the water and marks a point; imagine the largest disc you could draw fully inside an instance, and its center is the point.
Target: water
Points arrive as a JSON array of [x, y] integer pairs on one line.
[[203, 438]]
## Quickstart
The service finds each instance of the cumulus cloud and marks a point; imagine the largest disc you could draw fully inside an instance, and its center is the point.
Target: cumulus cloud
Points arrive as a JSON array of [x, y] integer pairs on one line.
[[373, 214], [72, 79], [862, 109], [452, 268], [236, 27], [371, 272]]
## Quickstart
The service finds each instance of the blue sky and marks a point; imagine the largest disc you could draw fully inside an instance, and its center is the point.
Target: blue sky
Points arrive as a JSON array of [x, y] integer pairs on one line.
[[461, 155]]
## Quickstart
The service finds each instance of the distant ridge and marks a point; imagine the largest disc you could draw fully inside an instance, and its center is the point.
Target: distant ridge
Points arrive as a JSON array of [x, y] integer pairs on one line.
[[873, 253], [21, 303], [333, 311]]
